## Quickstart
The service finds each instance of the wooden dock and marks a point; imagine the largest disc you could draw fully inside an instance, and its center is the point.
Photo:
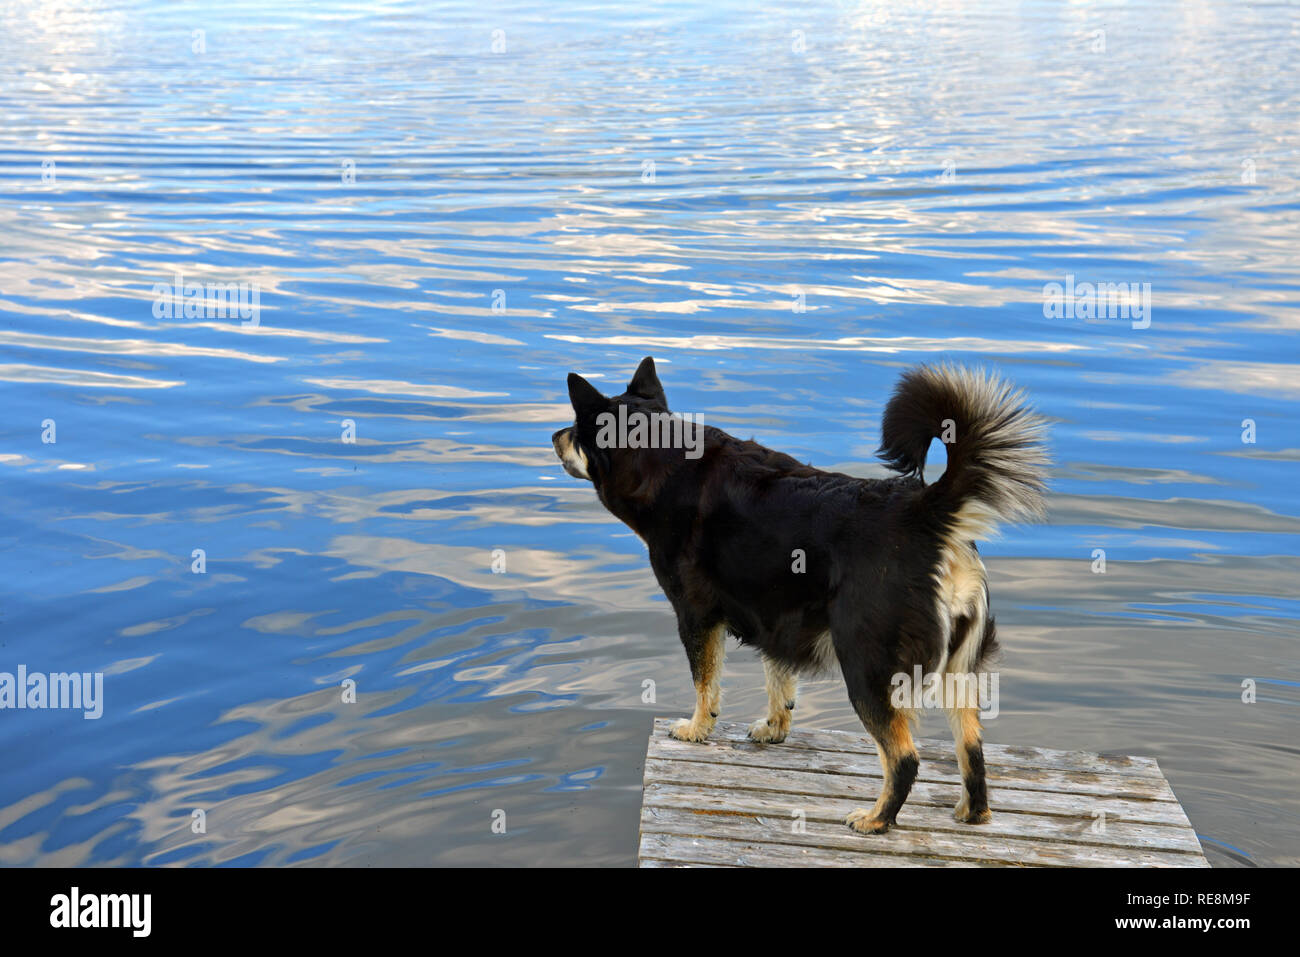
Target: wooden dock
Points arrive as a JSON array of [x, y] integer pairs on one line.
[[731, 803]]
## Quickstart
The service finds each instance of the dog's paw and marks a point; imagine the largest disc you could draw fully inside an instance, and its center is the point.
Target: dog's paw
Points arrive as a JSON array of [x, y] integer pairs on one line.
[[765, 731], [963, 814], [685, 729], [864, 822]]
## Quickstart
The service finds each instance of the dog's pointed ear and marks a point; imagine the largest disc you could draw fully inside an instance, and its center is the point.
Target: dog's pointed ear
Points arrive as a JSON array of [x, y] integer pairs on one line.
[[645, 382], [584, 396]]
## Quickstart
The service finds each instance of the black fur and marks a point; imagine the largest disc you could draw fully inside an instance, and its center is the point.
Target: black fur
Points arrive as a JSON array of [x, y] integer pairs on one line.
[[977, 790], [724, 531]]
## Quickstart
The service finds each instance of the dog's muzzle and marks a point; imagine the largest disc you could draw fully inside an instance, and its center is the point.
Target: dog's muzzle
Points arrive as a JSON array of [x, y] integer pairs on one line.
[[571, 457]]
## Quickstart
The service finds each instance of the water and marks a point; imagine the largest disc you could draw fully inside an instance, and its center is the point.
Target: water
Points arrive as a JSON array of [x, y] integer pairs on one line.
[[917, 174]]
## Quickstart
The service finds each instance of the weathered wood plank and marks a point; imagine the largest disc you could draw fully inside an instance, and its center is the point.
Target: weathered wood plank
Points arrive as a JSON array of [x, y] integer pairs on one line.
[[938, 749], [650, 847], [778, 757], [902, 843], [1079, 829], [731, 802], [864, 790], [719, 852]]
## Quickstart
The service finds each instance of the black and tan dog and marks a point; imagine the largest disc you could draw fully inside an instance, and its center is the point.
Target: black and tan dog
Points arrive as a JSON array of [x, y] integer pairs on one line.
[[817, 569]]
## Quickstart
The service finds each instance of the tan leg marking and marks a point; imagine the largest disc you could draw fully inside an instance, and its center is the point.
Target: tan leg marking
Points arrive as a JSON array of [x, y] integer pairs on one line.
[[708, 691], [782, 687]]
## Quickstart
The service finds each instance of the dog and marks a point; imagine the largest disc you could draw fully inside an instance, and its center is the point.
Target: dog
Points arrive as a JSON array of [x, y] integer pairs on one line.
[[818, 570]]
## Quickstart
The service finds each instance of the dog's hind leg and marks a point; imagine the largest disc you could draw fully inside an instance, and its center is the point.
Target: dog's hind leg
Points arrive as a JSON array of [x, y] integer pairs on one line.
[[974, 636], [973, 808], [705, 649], [868, 658], [898, 762], [781, 689]]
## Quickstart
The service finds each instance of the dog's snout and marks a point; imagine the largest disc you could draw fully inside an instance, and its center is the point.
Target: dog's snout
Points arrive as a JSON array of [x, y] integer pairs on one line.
[[570, 455]]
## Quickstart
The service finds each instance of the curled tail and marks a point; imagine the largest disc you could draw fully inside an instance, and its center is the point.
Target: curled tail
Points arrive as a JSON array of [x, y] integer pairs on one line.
[[996, 454]]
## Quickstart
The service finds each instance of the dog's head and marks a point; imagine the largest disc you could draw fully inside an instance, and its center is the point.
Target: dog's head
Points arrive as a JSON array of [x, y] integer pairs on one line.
[[584, 447]]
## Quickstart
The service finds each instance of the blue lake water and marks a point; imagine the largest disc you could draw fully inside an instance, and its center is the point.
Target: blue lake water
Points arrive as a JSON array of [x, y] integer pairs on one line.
[[445, 210]]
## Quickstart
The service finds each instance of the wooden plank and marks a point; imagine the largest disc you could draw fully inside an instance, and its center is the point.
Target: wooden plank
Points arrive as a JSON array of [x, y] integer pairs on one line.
[[694, 851], [1017, 755], [902, 843], [776, 757], [731, 802], [933, 750], [649, 848], [1078, 829], [864, 790]]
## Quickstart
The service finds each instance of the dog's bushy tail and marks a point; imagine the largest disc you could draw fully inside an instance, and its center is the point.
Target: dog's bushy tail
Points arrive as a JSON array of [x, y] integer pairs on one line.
[[996, 453]]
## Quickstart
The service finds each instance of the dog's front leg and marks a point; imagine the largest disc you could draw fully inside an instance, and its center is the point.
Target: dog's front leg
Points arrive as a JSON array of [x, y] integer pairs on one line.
[[781, 688], [705, 649]]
